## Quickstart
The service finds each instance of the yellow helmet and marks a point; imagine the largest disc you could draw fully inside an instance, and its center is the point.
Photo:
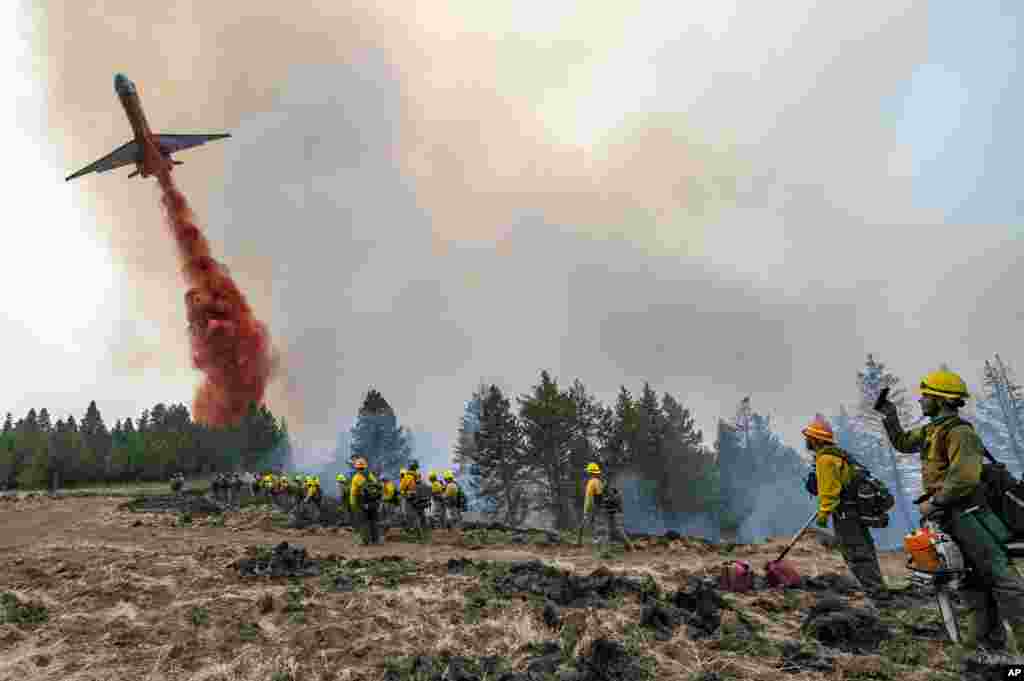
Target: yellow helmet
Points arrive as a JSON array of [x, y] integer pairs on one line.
[[448, 475], [432, 476], [593, 469], [944, 384], [340, 477], [402, 471]]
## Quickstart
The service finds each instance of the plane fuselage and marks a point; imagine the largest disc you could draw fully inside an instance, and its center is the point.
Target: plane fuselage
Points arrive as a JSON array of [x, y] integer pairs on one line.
[[153, 160]]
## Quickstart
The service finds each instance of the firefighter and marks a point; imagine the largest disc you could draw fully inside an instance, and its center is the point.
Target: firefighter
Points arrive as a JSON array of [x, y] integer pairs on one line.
[[836, 499], [454, 501], [437, 500], [419, 500], [236, 490], [604, 502], [406, 487], [951, 461], [217, 487], [296, 489], [389, 500], [365, 501], [344, 491], [268, 485]]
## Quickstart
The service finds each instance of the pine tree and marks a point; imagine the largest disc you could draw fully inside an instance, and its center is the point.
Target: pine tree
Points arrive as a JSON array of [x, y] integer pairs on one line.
[[687, 469], [464, 455], [1003, 411], [546, 419], [45, 424], [734, 473], [617, 432], [96, 438], [8, 469], [502, 465], [377, 436], [877, 452]]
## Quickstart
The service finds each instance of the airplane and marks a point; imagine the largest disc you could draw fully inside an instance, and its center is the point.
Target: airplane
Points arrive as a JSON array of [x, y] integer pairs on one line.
[[151, 153]]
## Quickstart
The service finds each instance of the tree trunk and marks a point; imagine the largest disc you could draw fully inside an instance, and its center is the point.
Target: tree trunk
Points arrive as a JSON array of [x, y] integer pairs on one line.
[[508, 502]]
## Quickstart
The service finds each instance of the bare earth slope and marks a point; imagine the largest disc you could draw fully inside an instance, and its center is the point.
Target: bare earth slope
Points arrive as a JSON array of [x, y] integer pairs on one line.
[[141, 596]]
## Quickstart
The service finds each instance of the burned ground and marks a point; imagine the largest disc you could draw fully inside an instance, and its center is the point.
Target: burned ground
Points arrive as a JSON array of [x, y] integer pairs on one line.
[[92, 590]]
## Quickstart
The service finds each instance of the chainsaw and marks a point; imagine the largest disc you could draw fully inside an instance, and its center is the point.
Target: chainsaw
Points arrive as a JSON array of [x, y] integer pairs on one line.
[[945, 581]]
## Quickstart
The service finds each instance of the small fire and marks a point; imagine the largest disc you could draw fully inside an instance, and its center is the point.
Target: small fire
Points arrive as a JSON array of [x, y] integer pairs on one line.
[[229, 345]]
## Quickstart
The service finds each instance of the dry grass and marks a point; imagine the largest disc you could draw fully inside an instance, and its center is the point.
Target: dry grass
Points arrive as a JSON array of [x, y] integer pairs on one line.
[[153, 601]]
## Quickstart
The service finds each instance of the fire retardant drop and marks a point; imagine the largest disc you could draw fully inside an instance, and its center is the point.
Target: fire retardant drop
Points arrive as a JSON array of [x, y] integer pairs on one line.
[[229, 346]]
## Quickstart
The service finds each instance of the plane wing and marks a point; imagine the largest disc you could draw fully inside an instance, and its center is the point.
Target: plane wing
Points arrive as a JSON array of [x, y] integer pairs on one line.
[[172, 143], [125, 154]]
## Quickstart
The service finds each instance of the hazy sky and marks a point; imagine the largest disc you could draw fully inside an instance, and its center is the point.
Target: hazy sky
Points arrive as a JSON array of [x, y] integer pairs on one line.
[[722, 198]]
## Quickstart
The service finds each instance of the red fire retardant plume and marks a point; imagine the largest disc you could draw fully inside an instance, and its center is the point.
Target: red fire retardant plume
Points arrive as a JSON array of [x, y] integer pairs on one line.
[[229, 345]]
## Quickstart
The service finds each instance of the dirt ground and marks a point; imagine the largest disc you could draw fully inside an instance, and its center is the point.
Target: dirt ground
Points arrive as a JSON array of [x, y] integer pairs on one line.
[[122, 590]]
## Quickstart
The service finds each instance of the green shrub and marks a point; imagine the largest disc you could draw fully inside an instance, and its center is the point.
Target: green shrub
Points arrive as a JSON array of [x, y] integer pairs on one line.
[[199, 616], [12, 611]]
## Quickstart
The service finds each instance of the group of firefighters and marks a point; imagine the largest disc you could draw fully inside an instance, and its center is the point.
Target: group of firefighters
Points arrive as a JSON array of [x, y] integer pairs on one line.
[[365, 501], [954, 497], [951, 464]]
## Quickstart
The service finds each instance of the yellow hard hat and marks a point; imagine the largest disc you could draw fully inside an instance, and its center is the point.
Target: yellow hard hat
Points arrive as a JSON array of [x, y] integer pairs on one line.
[[433, 475], [340, 477], [944, 384], [593, 468], [448, 475]]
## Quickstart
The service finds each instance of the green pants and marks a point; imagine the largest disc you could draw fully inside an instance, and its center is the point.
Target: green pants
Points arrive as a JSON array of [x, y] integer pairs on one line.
[[858, 549], [418, 521], [607, 527], [994, 591]]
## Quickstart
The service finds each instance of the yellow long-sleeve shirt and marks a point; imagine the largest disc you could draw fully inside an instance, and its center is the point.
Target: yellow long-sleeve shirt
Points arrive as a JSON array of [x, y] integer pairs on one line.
[[833, 473], [594, 489], [451, 491], [436, 488], [407, 485], [358, 482], [948, 475], [389, 491]]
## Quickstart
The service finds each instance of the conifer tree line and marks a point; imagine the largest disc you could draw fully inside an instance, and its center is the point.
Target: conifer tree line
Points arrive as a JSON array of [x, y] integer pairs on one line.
[[531, 456], [36, 452]]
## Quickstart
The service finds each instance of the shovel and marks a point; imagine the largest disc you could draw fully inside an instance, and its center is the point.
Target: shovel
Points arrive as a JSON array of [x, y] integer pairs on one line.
[[776, 570]]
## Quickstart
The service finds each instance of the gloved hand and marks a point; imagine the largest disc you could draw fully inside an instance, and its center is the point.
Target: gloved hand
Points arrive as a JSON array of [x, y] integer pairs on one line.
[[821, 520], [884, 406]]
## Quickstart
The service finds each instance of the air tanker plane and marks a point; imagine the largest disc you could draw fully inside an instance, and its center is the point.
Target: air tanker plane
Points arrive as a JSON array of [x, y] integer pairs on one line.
[[151, 153]]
